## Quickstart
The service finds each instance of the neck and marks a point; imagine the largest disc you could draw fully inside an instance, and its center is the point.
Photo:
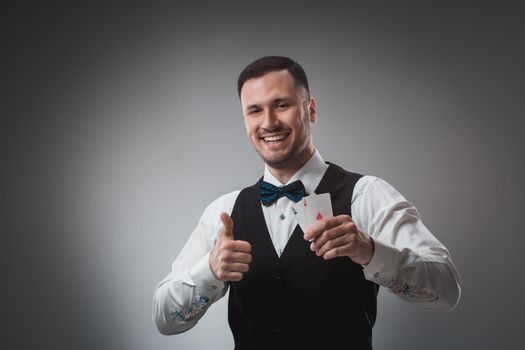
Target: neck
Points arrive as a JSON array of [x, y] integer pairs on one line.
[[284, 174]]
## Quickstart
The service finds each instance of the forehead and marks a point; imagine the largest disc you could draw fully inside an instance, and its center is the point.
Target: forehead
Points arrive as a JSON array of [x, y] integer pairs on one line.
[[266, 88]]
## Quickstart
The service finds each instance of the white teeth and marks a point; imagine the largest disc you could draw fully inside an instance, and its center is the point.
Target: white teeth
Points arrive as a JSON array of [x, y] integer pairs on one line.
[[275, 138]]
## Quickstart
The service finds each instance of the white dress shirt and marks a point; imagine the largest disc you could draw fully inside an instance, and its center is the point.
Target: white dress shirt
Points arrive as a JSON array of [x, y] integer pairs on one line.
[[408, 260]]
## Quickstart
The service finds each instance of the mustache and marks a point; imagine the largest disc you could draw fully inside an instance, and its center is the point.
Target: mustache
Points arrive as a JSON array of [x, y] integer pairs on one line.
[[263, 132]]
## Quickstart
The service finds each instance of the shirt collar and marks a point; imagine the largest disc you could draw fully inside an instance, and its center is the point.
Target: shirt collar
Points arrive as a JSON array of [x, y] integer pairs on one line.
[[310, 174]]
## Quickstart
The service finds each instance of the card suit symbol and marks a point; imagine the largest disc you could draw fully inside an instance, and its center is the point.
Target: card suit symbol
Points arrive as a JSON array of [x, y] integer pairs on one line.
[[319, 216]]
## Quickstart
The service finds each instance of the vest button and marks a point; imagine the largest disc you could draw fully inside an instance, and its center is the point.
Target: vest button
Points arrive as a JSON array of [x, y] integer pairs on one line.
[[276, 275], [276, 330]]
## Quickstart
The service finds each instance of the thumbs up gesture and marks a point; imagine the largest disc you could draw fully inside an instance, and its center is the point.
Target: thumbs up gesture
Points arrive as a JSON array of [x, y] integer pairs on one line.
[[229, 259]]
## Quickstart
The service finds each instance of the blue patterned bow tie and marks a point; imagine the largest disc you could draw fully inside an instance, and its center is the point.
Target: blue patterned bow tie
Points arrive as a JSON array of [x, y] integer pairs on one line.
[[270, 193]]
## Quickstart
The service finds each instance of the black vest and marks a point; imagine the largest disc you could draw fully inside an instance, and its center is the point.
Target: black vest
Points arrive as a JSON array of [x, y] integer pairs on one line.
[[300, 300]]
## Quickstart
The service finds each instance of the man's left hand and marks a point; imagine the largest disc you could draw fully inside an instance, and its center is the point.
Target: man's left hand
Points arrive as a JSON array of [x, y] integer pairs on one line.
[[338, 236]]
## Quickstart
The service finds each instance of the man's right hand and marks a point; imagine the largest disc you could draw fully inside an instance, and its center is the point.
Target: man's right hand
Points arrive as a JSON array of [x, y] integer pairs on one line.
[[229, 259]]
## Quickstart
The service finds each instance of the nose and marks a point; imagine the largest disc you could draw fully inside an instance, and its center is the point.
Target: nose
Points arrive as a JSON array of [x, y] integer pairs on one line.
[[270, 120]]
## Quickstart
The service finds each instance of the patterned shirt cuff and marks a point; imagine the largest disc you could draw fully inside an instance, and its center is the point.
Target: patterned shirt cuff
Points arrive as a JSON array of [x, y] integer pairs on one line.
[[383, 265], [204, 279]]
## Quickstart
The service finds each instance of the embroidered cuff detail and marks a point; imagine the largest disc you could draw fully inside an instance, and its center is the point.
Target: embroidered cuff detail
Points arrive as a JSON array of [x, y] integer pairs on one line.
[[195, 307], [412, 292]]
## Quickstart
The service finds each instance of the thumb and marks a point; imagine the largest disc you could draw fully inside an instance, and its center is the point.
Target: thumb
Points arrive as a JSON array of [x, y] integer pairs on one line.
[[227, 231]]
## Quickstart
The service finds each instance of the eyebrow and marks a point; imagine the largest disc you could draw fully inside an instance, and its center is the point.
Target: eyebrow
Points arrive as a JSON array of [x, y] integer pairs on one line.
[[275, 101], [282, 99]]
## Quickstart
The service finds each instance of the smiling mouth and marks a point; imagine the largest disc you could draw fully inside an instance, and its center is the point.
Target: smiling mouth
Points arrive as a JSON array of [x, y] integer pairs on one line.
[[275, 138]]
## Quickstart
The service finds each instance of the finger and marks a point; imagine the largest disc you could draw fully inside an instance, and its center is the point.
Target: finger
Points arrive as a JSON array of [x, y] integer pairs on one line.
[[227, 222], [237, 267], [328, 235], [234, 257], [323, 225], [237, 246], [343, 228], [230, 276], [343, 250], [234, 276], [242, 246], [334, 243]]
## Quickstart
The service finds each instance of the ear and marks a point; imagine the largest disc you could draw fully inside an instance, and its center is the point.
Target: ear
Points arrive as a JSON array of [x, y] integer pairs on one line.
[[311, 110]]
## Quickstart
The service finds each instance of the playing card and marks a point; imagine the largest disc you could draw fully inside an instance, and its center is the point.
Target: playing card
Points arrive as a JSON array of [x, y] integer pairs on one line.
[[311, 209]]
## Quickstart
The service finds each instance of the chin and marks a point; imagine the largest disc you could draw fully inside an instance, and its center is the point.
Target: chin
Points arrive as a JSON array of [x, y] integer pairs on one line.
[[277, 162]]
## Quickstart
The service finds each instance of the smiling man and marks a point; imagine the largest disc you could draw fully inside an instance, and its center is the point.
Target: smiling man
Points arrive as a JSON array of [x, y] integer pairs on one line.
[[293, 289]]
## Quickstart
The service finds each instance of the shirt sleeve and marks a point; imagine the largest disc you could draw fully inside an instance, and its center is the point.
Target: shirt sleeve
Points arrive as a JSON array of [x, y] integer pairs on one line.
[[408, 260], [184, 295]]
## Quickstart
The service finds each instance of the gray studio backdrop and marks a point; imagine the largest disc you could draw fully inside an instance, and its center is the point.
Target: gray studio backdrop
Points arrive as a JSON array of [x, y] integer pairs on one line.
[[121, 123]]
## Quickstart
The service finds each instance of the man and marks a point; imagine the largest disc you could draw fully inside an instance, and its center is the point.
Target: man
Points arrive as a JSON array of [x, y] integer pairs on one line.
[[289, 288]]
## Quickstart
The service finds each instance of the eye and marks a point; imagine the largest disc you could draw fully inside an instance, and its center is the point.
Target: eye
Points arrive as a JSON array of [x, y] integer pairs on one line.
[[253, 111], [283, 105]]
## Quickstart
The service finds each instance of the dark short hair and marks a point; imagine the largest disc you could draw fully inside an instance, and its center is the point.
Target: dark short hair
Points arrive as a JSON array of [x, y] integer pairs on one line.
[[267, 64]]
